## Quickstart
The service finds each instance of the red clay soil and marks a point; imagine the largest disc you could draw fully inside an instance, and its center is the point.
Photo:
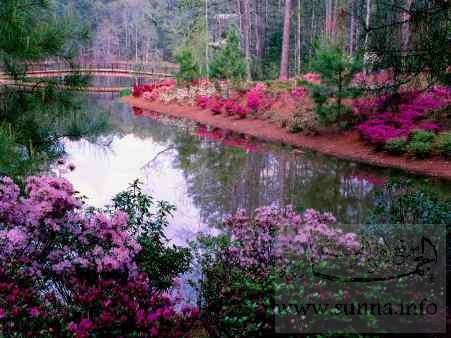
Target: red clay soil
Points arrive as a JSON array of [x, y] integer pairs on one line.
[[345, 146]]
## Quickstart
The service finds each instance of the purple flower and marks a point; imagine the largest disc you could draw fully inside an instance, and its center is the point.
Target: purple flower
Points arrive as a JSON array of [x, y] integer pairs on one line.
[[34, 312], [17, 237]]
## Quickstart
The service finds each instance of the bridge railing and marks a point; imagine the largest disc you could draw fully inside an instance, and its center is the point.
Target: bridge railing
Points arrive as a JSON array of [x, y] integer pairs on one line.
[[104, 66]]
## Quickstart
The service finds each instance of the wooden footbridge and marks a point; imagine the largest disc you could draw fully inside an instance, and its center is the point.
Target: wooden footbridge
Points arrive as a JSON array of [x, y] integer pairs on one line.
[[35, 71]]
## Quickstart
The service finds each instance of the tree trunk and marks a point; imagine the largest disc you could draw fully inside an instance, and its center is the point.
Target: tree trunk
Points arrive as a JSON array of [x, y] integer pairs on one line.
[[136, 43], [207, 41], [240, 20], [367, 23], [286, 41], [352, 28], [328, 21], [258, 40], [334, 21], [247, 34], [298, 40], [312, 31], [406, 28]]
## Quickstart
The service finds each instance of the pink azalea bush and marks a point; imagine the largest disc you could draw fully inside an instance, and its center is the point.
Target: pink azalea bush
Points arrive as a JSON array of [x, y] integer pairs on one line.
[[273, 234], [243, 270], [66, 271], [202, 101], [257, 99], [152, 91], [299, 92], [414, 110], [313, 78]]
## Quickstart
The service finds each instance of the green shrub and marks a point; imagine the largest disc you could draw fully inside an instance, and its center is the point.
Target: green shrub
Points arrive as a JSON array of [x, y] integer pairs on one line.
[[189, 69], [420, 149], [229, 63], [160, 261], [337, 71], [444, 144], [396, 146], [125, 92], [423, 136]]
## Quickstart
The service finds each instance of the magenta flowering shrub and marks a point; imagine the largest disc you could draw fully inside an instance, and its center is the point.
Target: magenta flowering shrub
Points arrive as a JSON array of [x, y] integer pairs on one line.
[[71, 272], [313, 78], [299, 92], [216, 105], [379, 134], [414, 108], [152, 91], [254, 100], [202, 101], [258, 99], [233, 108]]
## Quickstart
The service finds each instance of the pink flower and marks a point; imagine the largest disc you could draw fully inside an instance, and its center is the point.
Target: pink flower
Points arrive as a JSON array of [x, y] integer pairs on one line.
[[153, 317], [72, 327], [299, 92], [154, 331], [314, 78], [2, 313], [17, 237], [86, 325], [34, 312]]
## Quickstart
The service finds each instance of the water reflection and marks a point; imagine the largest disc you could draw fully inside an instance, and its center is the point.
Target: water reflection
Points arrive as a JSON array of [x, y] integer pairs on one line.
[[208, 173]]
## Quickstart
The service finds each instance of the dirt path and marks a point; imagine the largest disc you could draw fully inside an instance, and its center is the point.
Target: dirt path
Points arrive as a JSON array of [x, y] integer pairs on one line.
[[345, 146]]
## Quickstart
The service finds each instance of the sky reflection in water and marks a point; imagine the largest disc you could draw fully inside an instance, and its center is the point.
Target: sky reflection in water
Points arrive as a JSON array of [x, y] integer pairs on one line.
[[191, 168]]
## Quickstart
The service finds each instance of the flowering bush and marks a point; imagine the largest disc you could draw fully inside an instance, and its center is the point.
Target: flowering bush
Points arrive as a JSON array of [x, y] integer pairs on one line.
[[379, 79], [379, 134], [241, 104], [216, 104], [74, 272], [313, 78], [137, 90], [152, 91], [243, 270], [413, 110], [202, 101], [257, 99], [299, 92]]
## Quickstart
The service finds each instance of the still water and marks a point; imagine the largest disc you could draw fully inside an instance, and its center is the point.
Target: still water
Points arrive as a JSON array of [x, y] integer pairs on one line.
[[209, 174]]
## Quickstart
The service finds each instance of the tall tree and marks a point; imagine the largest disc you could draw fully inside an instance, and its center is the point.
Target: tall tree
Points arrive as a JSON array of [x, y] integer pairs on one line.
[[352, 28], [284, 62], [247, 35], [367, 23], [406, 26], [298, 39]]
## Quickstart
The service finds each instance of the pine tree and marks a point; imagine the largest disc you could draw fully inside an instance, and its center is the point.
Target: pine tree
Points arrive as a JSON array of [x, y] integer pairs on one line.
[[229, 63], [337, 70], [189, 70]]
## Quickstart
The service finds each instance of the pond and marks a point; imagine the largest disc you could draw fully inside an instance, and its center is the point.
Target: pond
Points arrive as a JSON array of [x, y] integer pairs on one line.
[[209, 173]]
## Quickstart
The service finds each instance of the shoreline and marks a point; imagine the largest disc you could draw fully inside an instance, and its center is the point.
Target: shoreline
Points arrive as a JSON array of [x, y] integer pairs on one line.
[[345, 146]]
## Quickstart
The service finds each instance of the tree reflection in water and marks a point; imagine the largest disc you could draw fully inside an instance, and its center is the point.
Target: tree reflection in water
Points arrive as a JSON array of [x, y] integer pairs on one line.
[[221, 172]]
